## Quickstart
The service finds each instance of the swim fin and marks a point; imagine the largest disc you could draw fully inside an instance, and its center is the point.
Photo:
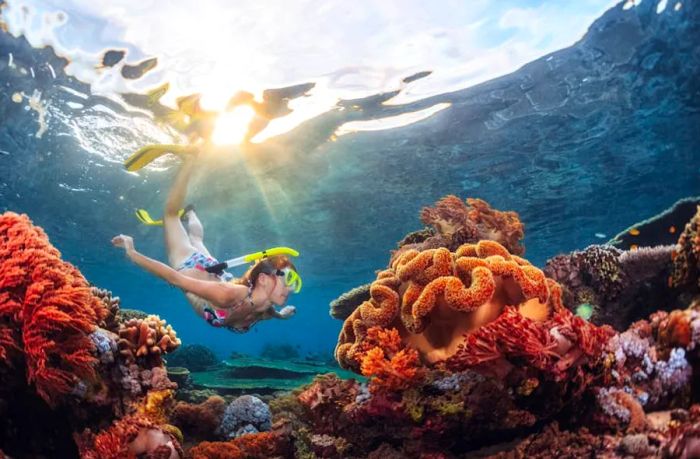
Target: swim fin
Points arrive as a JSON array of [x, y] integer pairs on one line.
[[145, 218], [146, 155]]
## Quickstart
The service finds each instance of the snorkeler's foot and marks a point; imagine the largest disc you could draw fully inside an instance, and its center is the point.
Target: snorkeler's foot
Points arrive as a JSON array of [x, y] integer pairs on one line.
[[144, 217], [146, 155], [186, 212]]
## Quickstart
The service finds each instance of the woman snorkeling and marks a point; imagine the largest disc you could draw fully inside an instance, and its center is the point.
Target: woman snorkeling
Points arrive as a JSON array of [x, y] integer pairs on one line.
[[236, 304]]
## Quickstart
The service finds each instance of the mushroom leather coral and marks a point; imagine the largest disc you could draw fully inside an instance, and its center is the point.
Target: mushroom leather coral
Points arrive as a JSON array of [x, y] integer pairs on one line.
[[51, 307], [433, 297]]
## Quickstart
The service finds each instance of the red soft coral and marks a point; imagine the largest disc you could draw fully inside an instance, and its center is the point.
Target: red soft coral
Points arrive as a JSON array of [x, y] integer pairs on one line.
[[51, 303]]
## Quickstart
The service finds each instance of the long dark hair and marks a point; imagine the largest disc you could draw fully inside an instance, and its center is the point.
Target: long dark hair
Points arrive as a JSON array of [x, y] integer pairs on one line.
[[267, 265]]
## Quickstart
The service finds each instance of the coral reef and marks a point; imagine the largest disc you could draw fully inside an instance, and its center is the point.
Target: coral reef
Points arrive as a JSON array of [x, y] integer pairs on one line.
[[279, 351], [686, 260], [62, 371], [453, 223], [260, 445], [47, 311], [444, 295], [146, 339], [130, 436], [200, 421], [456, 222], [180, 376], [621, 286], [194, 357], [346, 303]]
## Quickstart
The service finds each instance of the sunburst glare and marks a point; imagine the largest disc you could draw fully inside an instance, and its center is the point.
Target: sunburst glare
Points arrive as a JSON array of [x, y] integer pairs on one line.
[[232, 127]]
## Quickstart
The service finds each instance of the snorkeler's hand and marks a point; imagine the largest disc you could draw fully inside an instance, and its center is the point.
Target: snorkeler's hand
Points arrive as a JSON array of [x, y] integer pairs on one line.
[[124, 241], [287, 312]]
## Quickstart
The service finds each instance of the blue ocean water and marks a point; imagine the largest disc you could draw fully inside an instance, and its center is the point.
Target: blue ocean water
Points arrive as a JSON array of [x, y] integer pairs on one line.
[[582, 142]]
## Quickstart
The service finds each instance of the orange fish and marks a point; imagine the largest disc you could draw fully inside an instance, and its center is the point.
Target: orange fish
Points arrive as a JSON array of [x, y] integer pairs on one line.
[[634, 247], [634, 232], [672, 230]]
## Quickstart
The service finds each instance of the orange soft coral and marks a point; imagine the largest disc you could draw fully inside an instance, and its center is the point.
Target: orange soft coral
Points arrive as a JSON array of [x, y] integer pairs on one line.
[[433, 297], [50, 307]]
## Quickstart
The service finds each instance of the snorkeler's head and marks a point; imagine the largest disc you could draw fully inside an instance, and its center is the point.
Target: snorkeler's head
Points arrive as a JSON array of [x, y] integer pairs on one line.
[[276, 273]]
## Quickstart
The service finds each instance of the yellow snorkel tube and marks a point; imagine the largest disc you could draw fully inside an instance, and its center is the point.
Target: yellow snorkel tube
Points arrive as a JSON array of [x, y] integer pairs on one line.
[[291, 279]]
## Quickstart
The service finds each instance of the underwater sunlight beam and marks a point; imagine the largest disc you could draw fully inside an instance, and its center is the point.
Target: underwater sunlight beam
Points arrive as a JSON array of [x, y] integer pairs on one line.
[[232, 127]]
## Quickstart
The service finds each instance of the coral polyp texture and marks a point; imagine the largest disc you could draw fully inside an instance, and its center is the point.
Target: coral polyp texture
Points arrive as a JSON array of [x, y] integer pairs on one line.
[[434, 297], [47, 311]]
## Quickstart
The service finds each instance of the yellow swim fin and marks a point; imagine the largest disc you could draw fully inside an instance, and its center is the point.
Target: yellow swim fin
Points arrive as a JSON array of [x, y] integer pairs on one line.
[[145, 218], [146, 155]]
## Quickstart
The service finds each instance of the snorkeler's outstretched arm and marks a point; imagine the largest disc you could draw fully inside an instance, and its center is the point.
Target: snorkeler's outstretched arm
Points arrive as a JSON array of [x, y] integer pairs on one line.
[[219, 294]]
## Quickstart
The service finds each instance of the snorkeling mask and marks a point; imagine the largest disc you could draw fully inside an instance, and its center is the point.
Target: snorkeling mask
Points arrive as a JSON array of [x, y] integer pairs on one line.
[[291, 278]]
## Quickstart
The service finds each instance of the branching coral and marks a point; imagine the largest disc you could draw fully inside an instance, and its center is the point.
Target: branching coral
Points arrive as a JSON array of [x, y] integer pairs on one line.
[[433, 297], [53, 306], [148, 339]]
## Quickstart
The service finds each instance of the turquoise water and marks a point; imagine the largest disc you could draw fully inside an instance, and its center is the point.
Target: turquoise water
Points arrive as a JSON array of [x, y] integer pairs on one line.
[[582, 143]]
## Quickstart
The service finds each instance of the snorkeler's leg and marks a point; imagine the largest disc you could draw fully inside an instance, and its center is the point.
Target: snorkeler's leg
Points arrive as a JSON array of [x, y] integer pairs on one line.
[[196, 231], [177, 241]]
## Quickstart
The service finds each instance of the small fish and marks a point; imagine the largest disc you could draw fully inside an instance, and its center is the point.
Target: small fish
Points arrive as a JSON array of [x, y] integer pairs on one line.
[[634, 247], [634, 232], [600, 235], [672, 230]]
